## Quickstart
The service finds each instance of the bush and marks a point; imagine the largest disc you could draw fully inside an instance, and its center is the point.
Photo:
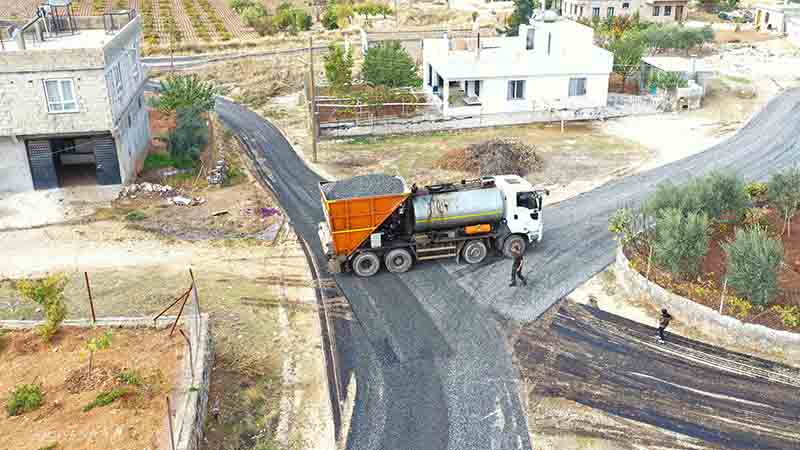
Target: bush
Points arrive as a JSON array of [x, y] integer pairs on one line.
[[726, 195], [666, 80], [388, 64], [783, 192], [756, 190], [621, 224], [339, 67], [680, 241], [329, 18], [715, 195], [753, 260], [740, 308], [755, 217], [135, 216], [185, 91], [24, 398], [130, 377], [240, 5], [790, 315], [190, 135], [105, 398], [49, 293]]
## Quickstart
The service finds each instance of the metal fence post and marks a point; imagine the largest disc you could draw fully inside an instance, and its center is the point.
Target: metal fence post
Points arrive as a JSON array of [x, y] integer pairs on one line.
[[191, 354], [89, 290], [169, 418]]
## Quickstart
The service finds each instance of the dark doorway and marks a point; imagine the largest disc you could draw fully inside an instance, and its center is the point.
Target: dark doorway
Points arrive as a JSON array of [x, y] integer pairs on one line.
[[75, 162]]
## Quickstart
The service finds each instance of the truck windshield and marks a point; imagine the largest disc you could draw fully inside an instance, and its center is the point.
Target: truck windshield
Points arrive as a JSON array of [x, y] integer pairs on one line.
[[527, 200]]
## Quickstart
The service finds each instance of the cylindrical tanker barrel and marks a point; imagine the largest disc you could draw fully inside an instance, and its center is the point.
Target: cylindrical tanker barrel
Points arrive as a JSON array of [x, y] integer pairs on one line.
[[457, 209]]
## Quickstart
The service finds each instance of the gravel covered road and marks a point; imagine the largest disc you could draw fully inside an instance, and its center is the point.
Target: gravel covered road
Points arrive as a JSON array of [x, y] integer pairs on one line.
[[428, 348]]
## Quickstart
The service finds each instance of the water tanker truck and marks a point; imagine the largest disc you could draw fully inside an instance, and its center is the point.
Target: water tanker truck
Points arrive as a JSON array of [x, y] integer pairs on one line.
[[376, 219]]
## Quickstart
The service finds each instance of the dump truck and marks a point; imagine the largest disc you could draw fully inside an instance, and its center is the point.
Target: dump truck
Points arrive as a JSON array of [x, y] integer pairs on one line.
[[375, 219]]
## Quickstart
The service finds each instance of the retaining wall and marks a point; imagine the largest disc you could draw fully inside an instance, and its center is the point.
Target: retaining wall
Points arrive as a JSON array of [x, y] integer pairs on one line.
[[726, 329], [189, 396]]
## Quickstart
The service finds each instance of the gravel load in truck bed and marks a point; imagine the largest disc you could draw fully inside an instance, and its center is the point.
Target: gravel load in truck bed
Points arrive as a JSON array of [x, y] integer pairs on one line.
[[363, 186]]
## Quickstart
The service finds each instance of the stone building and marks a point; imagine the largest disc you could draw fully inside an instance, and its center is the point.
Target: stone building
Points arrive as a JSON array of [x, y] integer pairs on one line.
[[72, 106], [658, 11]]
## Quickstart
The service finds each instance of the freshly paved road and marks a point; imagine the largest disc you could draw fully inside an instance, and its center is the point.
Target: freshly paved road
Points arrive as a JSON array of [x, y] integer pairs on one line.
[[428, 348]]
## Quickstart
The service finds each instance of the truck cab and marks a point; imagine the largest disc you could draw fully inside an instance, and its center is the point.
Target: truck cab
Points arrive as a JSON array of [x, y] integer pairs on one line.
[[523, 208]]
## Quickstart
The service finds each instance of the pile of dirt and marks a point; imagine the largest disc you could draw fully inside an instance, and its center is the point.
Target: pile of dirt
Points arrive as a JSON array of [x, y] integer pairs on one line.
[[100, 378], [363, 186], [493, 157]]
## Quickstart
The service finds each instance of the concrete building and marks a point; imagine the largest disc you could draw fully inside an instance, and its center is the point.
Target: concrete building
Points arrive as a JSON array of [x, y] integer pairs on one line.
[[552, 63], [775, 18], [793, 30], [71, 106], [659, 11]]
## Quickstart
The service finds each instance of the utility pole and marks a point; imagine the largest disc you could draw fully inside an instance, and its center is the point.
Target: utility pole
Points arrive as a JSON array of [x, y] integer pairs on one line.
[[312, 99]]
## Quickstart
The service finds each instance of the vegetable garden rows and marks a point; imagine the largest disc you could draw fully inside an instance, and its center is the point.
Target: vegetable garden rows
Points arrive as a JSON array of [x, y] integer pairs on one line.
[[187, 20]]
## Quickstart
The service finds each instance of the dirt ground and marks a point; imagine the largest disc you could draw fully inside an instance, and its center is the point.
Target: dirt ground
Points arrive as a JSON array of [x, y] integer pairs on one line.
[[135, 421]]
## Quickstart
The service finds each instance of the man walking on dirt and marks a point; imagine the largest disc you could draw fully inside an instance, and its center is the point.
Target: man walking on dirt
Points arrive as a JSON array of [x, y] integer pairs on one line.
[[516, 269], [663, 323]]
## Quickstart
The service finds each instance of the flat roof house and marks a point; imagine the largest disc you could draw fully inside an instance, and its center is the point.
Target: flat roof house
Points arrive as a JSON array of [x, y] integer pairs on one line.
[[552, 63], [71, 104], [775, 18], [659, 11]]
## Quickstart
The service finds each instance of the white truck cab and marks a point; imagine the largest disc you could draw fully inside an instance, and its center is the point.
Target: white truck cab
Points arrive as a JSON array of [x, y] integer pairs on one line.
[[523, 206]]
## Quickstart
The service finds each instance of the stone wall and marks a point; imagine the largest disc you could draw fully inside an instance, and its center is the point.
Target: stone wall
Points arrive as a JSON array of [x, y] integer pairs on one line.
[[15, 174], [722, 328]]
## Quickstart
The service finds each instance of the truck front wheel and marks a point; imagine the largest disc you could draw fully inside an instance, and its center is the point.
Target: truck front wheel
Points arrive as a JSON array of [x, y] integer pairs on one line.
[[398, 260], [475, 251], [514, 243], [366, 264]]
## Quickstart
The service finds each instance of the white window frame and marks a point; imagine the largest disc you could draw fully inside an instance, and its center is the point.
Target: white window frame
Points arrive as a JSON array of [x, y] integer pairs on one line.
[[610, 11], [515, 94], [60, 83], [667, 10], [597, 11], [656, 11], [577, 81]]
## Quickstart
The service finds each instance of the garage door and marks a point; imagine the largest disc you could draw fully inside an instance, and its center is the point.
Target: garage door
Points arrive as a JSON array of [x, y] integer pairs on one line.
[[43, 168], [105, 156]]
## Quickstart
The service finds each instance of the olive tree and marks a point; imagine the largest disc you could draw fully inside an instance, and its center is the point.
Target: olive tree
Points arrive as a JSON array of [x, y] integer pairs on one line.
[[753, 261]]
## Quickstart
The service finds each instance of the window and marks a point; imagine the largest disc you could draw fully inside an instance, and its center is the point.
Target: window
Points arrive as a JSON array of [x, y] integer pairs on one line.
[[130, 121], [668, 10], [679, 12], [60, 96], [626, 5], [529, 39], [610, 12], [577, 87], [117, 77], [140, 101], [581, 11], [134, 65], [430, 75], [656, 11], [595, 12], [516, 90], [527, 200]]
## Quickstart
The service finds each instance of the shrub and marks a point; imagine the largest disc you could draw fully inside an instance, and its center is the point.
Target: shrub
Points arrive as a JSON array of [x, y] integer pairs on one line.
[[189, 136], [740, 308], [790, 315], [755, 217], [24, 398], [715, 195], [135, 216], [329, 18], [186, 91], [339, 67], [680, 241], [756, 190], [130, 377], [753, 260], [49, 293], [105, 398], [726, 195], [388, 64], [621, 224], [52, 446], [240, 5], [783, 191]]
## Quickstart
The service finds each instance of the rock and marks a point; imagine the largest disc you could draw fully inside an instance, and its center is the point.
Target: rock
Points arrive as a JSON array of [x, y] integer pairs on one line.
[[181, 200]]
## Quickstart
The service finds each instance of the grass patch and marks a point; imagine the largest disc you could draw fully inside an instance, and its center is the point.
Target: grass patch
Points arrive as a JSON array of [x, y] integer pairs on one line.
[[52, 446], [161, 160], [130, 377], [735, 79], [135, 216], [24, 398], [105, 398]]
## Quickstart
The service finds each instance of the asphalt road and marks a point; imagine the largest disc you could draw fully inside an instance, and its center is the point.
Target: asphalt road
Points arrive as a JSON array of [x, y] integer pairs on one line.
[[429, 348]]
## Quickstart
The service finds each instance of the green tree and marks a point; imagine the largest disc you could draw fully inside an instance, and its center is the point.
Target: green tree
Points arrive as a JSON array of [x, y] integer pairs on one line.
[[680, 241], [753, 261], [240, 5], [388, 64], [185, 91], [189, 136], [628, 51], [727, 196], [339, 66], [523, 10], [329, 18], [49, 293], [783, 191]]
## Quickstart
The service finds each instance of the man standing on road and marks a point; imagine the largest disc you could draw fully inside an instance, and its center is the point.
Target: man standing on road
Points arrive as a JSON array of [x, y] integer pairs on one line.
[[663, 323], [516, 269]]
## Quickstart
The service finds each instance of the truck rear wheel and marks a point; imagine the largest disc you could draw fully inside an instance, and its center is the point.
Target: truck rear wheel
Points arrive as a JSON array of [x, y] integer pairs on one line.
[[366, 264], [475, 251], [514, 243], [398, 260]]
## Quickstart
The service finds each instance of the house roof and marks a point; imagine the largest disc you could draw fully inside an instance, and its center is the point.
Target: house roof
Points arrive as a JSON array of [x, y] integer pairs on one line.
[[676, 64], [503, 58], [91, 38], [792, 9]]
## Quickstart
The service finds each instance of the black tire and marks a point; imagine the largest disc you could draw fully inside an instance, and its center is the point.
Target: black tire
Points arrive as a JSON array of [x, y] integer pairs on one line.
[[474, 252], [514, 242], [366, 264], [398, 260]]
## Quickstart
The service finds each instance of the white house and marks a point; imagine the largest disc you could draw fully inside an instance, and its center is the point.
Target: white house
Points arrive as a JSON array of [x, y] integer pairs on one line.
[[553, 63], [793, 30], [71, 104], [774, 18]]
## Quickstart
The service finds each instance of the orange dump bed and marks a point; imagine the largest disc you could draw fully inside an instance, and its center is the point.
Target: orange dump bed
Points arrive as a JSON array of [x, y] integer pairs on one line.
[[352, 220]]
